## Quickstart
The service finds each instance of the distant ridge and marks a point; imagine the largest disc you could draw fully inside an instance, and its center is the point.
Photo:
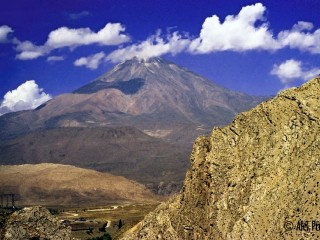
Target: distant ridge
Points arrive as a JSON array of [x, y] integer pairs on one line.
[[124, 151]]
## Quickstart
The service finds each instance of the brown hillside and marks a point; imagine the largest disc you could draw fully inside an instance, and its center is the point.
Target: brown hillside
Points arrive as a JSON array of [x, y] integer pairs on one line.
[[124, 151], [56, 184]]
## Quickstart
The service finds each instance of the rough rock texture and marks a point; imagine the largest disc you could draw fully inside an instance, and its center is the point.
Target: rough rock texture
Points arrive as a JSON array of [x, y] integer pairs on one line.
[[35, 223], [254, 179]]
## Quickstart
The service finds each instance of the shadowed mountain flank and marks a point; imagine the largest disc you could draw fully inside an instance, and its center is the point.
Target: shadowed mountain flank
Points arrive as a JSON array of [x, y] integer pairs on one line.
[[121, 151], [131, 86], [253, 179]]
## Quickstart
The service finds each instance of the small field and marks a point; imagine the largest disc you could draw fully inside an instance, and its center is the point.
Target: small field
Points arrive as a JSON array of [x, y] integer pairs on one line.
[[113, 219]]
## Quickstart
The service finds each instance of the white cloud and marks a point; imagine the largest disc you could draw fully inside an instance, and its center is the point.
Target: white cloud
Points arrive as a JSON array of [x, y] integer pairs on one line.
[[111, 34], [66, 37], [91, 62], [78, 15], [154, 46], [300, 37], [288, 70], [27, 55], [4, 31], [237, 33], [30, 51], [291, 70], [246, 31], [27, 96], [55, 58], [301, 26]]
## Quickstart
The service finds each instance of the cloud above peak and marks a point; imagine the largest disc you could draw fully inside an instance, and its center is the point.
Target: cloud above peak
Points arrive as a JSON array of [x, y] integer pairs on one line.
[[248, 30], [111, 34], [154, 46], [27, 96], [237, 33]]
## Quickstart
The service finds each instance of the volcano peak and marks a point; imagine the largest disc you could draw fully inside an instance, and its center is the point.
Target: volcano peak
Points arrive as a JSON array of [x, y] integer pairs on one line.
[[146, 60]]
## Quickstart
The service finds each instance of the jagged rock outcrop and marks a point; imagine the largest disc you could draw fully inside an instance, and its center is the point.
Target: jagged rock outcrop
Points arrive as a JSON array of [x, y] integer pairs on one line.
[[257, 178], [35, 223]]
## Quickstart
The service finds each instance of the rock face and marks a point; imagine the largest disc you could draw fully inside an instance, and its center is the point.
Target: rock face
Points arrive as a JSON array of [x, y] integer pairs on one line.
[[257, 178], [35, 223]]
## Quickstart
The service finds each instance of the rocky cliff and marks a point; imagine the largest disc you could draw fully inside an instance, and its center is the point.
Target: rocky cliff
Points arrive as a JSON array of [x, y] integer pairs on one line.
[[35, 223], [257, 178]]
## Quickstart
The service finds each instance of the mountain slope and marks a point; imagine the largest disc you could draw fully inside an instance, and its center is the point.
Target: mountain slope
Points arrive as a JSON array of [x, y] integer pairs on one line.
[[124, 151], [155, 96], [257, 178], [56, 184], [167, 102]]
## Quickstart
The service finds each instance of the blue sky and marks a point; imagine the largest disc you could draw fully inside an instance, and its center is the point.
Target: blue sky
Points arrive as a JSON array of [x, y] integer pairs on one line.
[[50, 47]]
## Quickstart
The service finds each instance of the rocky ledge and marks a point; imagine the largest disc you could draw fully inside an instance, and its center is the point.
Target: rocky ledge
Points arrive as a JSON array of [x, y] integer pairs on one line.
[[34, 223]]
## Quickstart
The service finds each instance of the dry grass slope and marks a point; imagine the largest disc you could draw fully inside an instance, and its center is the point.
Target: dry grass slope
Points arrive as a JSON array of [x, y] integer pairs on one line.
[[124, 151], [56, 184]]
